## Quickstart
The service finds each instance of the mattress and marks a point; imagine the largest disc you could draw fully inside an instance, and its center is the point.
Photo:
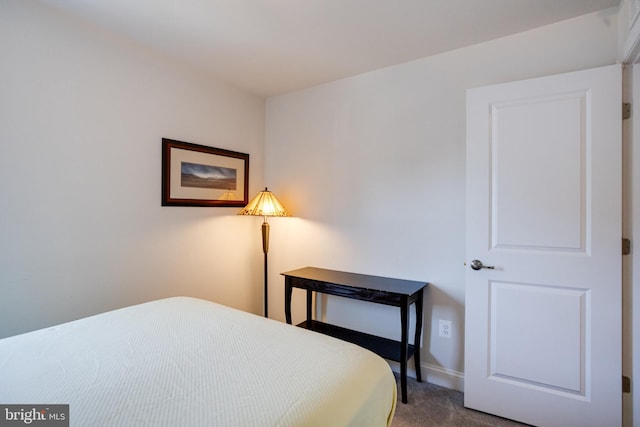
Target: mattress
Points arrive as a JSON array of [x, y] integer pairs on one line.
[[188, 362]]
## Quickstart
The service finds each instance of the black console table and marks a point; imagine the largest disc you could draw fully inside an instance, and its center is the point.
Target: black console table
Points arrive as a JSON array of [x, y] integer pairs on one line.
[[381, 290]]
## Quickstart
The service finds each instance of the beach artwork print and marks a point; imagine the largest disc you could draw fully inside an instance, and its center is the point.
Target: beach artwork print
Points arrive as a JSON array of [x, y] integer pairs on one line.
[[206, 176]]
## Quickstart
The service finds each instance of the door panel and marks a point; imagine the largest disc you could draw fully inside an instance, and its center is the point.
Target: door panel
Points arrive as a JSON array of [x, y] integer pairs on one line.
[[542, 328], [516, 307], [550, 148]]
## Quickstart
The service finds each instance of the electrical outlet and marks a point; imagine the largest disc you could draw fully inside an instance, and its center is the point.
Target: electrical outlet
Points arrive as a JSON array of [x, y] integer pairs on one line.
[[444, 328]]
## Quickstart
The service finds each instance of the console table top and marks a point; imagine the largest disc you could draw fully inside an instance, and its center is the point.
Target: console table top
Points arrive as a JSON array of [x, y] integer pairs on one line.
[[355, 280]]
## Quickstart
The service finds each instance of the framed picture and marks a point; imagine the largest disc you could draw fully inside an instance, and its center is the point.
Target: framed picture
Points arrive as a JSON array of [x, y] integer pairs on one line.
[[197, 175]]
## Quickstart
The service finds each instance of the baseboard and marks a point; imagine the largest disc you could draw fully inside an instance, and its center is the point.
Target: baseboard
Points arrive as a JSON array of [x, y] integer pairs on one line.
[[435, 375]]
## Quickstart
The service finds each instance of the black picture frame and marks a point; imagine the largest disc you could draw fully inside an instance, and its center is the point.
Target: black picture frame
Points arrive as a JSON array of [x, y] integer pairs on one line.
[[198, 175]]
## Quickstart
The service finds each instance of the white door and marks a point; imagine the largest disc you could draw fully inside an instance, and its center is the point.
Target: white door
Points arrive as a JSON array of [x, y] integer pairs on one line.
[[543, 328]]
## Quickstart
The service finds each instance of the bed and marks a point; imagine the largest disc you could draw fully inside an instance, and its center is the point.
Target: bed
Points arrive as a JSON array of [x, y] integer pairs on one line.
[[188, 362]]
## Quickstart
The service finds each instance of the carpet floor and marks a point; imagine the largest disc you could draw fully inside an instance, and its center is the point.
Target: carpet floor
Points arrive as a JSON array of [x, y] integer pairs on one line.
[[432, 405]]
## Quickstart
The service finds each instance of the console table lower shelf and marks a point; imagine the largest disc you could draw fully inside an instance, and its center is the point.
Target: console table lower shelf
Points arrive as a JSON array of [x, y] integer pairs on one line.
[[386, 348]]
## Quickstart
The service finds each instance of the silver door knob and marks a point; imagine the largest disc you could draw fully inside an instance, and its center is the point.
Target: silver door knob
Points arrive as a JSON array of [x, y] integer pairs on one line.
[[476, 264]]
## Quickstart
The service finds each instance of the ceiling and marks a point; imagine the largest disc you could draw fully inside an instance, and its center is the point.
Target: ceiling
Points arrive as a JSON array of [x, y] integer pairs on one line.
[[271, 47]]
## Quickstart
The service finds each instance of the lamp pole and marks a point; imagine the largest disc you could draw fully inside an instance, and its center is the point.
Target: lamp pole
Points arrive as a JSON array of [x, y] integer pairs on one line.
[[265, 249]]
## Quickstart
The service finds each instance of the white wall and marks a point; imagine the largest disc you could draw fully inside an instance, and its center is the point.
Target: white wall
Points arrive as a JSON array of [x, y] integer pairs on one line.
[[82, 114], [373, 167]]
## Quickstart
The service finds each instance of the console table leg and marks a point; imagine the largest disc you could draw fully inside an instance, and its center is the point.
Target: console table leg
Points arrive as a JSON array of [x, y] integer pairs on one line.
[[416, 339], [309, 304], [287, 299], [404, 347]]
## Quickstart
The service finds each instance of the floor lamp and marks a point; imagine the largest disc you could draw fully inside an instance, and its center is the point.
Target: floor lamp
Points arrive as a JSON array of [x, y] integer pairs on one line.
[[265, 204]]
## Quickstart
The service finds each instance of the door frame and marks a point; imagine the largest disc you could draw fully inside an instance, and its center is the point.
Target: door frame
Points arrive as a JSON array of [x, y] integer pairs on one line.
[[630, 56], [631, 230]]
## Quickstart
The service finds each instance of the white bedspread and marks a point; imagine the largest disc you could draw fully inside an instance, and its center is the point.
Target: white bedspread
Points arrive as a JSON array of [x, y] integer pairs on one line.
[[189, 362]]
